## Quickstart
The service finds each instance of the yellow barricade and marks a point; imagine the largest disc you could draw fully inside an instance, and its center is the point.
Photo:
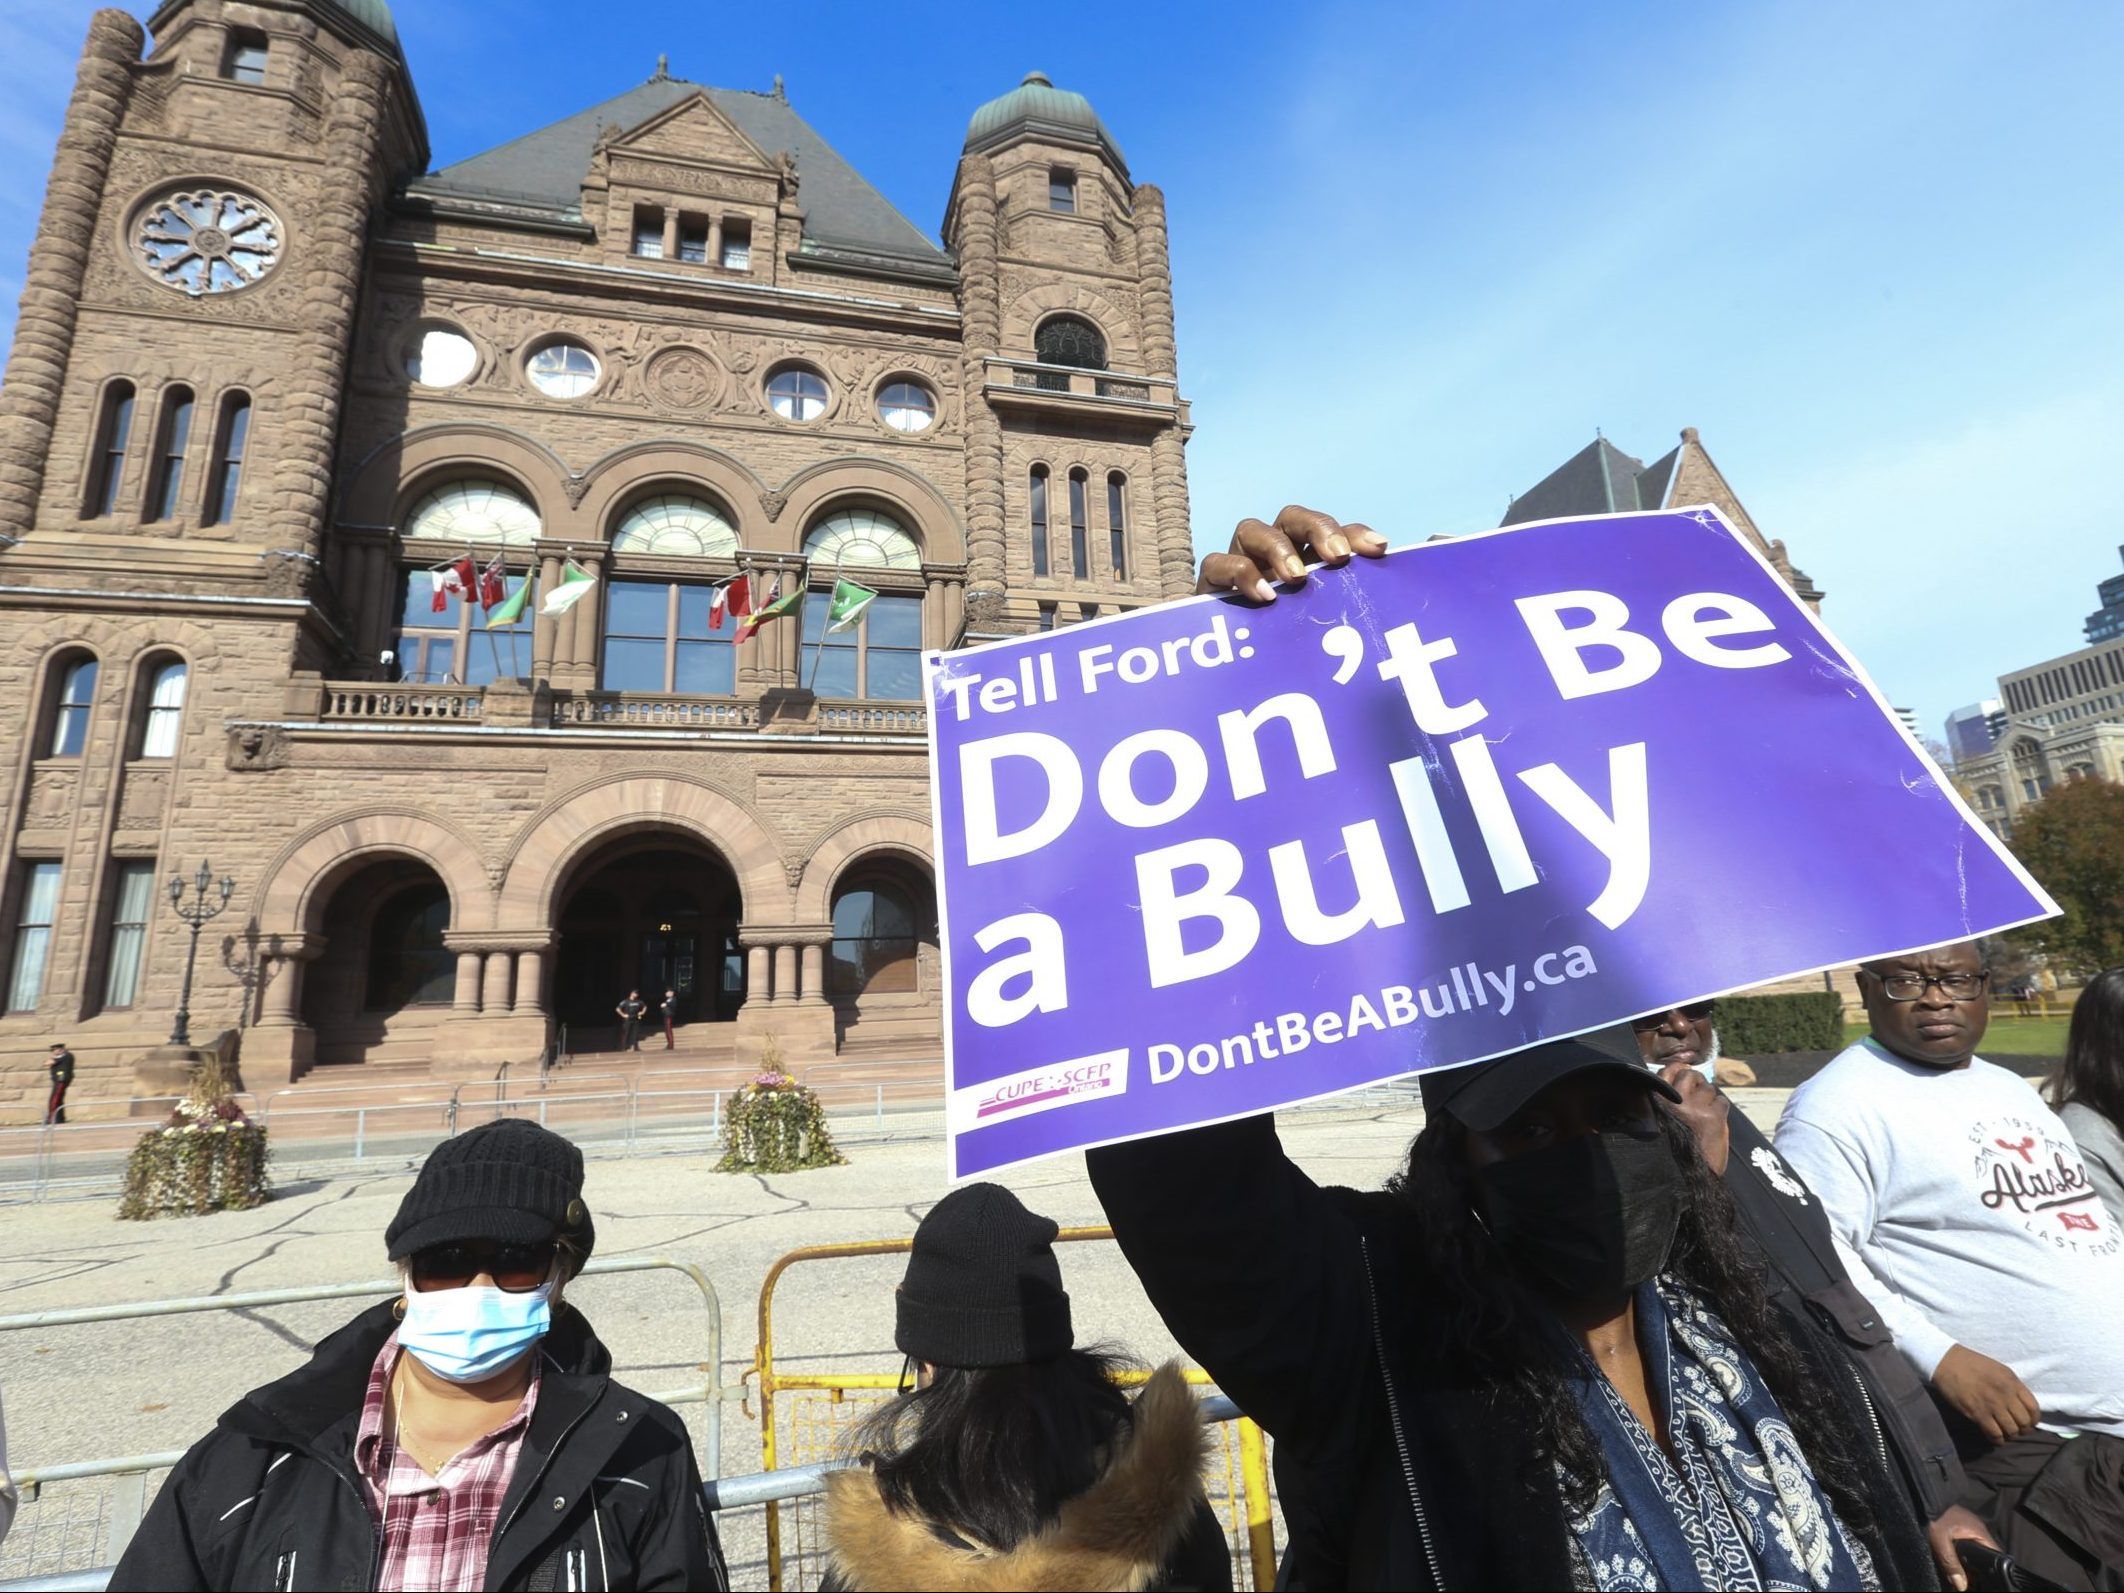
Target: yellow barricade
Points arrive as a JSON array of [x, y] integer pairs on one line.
[[817, 1410]]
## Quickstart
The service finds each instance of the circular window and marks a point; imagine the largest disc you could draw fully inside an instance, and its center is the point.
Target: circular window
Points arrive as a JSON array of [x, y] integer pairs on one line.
[[564, 369], [441, 356], [795, 393], [207, 240], [473, 511], [863, 536], [675, 523], [907, 406]]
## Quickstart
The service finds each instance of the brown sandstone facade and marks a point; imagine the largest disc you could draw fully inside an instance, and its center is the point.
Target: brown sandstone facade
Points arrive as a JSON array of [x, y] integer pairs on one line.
[[270, 371]]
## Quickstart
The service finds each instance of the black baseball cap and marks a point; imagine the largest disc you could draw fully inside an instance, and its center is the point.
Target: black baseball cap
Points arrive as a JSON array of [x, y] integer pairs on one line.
[[1484, 1095]]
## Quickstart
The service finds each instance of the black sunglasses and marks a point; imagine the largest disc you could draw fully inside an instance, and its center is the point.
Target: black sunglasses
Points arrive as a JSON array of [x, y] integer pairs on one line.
[[516, 1269]]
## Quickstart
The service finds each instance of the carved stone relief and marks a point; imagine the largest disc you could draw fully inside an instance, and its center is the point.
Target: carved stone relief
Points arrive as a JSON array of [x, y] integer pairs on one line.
[[140, 804], [256, 749], [51, 797]]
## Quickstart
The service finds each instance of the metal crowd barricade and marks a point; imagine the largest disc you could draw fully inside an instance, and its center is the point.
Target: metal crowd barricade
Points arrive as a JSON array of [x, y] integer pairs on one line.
[[815, 1437], [110, 1526], [769, 1488]]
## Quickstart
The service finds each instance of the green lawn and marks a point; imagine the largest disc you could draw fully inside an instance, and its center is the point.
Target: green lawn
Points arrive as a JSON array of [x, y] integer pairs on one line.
[[2008, 1035]]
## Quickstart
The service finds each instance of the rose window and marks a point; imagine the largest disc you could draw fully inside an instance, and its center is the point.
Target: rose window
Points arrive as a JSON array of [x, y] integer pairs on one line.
[[207, 240]]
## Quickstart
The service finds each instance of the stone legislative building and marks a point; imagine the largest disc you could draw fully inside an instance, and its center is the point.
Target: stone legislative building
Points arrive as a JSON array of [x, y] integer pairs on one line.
[[271, 371]]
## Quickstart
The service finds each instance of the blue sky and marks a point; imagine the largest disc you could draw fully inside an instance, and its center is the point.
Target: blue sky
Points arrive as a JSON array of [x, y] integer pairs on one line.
[[1423, 250]]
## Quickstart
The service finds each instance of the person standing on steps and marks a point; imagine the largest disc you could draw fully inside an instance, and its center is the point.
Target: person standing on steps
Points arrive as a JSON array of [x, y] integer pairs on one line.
[[630, 1015], [670, 1012]]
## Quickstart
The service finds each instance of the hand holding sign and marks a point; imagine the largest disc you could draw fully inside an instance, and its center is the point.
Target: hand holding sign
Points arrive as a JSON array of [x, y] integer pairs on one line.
[[1576, 771]]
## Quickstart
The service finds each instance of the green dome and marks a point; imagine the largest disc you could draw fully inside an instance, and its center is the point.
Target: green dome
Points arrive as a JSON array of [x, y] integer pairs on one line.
[[375, 15], [1037, 107]]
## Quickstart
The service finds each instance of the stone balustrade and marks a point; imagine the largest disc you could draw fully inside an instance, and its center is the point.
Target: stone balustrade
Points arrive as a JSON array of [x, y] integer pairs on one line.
[[363, 700], [644, 710]]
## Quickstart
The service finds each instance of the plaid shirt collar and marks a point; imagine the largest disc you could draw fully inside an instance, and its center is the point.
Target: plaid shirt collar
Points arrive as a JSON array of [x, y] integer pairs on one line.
[[437, 1530]]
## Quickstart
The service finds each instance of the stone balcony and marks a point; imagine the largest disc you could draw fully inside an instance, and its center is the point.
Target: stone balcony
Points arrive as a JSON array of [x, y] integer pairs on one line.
[[526, 705], [1148, 401]]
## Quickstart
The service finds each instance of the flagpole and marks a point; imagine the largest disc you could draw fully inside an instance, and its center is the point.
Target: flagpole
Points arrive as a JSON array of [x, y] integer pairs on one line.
[[479, 576], [819, 652]]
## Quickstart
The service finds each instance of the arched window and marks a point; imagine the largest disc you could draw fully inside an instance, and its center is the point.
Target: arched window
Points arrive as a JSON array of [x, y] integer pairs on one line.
[[1039, 522], [675, 523], [1070, 340], [879, 921], [1079, 529], [862, 536], [1117, 521], [233, 435], [409, 966], [474, 510], [173, 437], [113, 432], [165, 709], [77, 701]]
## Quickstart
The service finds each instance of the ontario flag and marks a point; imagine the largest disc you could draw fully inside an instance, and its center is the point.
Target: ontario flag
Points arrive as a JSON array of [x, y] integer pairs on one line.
[[777, 606], [453, 580], [734, 596], [493, 584]]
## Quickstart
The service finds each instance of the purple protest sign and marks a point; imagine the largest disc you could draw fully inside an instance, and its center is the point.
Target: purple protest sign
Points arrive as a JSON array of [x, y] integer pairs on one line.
[[1208, 859]]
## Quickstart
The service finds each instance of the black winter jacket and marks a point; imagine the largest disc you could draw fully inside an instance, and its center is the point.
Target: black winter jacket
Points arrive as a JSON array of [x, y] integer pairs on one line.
[[606, 1493], [1392, 1472], [1792, 1235]]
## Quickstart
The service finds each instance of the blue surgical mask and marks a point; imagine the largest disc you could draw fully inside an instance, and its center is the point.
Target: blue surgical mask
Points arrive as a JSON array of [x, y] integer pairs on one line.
[[465, 1335]]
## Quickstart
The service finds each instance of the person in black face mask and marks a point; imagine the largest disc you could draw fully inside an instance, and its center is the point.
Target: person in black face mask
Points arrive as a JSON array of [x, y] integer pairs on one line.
[[1539, 1358]]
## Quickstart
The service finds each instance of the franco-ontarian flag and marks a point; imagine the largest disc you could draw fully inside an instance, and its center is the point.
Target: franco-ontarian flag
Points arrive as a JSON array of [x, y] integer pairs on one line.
[[847, 604], [511, 608], [777, 606], [575, 584]]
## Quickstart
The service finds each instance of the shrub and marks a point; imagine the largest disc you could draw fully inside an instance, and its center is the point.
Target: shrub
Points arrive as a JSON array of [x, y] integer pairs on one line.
[[1812, 1020]]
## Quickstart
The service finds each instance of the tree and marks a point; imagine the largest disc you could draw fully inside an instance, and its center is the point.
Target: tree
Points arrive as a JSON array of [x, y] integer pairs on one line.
[[2072, 841]]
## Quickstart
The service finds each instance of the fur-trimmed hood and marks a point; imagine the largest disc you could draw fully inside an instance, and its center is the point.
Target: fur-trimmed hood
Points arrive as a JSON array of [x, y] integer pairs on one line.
[[1117, 1534]]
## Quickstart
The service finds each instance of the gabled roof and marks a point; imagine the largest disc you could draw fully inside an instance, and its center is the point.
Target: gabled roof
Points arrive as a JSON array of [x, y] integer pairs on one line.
[[1599, 479], [546, 168]]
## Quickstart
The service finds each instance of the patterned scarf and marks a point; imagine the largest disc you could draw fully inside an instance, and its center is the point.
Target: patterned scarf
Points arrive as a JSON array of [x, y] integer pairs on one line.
[[1743, 1509]]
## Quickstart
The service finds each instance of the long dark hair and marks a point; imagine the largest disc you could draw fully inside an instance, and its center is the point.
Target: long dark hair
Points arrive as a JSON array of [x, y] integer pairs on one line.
[[1490, 1325], [994, 1453], [2093, 1073]]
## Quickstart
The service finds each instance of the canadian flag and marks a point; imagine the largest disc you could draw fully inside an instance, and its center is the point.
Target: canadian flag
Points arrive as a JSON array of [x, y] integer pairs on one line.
[[493, 583], [734, 596], [453, 580]]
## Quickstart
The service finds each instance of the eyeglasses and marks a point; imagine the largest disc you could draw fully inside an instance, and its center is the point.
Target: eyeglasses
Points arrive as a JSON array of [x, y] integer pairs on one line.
[[1910, 986], [515, 1269]]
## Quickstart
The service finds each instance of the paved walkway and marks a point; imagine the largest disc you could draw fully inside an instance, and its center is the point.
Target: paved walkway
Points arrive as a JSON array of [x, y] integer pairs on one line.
[[132, 1388]]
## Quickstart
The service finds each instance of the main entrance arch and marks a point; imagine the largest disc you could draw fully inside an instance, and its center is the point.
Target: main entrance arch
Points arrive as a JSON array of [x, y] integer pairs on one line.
[[652, 910]]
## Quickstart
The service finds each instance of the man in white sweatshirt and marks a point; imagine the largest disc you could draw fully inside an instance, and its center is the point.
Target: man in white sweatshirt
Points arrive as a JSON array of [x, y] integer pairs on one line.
[[1961, 1206]]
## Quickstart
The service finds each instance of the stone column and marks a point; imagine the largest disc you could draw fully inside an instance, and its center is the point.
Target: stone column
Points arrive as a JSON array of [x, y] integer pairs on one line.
[[494, 995], [757, 984], [715, 239], [467, 998], [981, 322], [813, 990], [543, 626], [530, 983], [1154, 276], [58, 259], [785, 974], [306, 415], [671, 224]]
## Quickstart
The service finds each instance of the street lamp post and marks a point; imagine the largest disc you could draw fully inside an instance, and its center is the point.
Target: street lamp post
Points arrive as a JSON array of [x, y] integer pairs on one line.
[[195, 912]]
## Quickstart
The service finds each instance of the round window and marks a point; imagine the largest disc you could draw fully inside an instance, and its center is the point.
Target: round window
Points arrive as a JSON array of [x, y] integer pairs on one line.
[[207, 240], [441, 357], [797, 394], [565, 369], [907, 406]]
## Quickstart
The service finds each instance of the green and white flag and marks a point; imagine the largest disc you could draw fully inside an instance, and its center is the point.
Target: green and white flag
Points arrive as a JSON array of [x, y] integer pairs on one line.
[[847, 604], [575, 584], [511, 610]]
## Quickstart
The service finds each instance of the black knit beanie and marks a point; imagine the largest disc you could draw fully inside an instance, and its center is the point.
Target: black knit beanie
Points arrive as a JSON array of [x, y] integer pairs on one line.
[[983, 1287], [509, 1181]]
